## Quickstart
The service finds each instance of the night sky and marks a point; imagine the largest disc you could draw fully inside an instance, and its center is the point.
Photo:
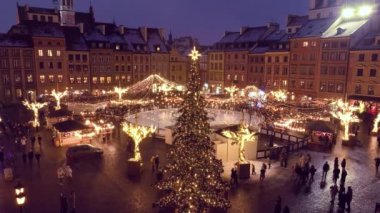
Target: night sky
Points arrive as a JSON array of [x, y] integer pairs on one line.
[[204, 19]]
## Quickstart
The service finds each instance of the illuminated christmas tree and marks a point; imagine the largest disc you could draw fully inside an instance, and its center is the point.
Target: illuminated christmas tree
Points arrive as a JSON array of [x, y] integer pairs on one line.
[[192, 181]]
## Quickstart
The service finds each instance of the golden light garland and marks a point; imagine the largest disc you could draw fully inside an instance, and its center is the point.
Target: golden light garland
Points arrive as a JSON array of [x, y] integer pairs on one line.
[[279, 95], [34, 106], [375, 128], [138, 134], [58, 96], [241, 137], [231, 91]]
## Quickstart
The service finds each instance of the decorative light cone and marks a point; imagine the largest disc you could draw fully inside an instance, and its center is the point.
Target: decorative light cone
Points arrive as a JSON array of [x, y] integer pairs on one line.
[[231, 91], [120, 91]]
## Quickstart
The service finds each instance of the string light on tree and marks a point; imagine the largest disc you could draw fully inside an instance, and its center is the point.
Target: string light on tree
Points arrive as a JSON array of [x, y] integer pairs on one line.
[[279, 95], [58, 96], [120, 91], [376, 121], [35, 107], [138, 134], [345, 113], [241, 137], [231, 91], [192, 180]]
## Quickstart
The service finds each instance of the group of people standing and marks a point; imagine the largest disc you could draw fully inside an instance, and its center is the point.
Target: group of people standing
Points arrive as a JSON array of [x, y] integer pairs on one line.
[[344, 196]]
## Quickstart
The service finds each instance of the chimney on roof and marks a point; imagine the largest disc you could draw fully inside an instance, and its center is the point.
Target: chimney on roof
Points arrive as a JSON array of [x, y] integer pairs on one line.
[[102, 28], [161, 31], [340, 30], [144, 33], [120, 29], [243, 29]]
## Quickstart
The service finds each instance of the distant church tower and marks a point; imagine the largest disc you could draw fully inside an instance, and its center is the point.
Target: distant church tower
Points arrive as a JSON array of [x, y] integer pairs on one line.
[[67, 13]]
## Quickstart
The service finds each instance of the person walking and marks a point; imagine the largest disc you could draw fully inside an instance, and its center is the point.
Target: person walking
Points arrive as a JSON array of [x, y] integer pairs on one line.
[[262, 172], [73, 202], [286, 210], [2, 156], [269, 162], [326, 168], [336, 173], [38, 154], [333, 192], [312, 171], [336, 163], [343, 177], [30, 156], [152, 162], [343, 163], [32, 141], [253, 169], [341, 200], [157, 162], [349, 198], [24, 157], [377, 164], [64, 204], [39, 138], [277, 208]]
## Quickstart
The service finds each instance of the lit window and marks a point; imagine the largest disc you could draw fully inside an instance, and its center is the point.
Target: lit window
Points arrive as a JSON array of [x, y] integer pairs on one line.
[[42, 79], [72, 80], [228, 77], [58, 53], [51, 78], [79, 80], [94, 80], [305, 44], [85, 79], [50, 53], [60, 78], [102, 80], [109, 79], [40, 53], [29, 78], [117, 47]]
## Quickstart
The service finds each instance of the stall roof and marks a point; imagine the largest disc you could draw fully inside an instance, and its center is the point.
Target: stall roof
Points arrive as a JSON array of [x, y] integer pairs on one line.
[[59, 113], [322, 126], [69, 126]]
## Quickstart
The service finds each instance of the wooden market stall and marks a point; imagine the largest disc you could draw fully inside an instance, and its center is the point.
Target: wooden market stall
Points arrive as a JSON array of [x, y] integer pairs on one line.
[[57, 116], [71, 132]]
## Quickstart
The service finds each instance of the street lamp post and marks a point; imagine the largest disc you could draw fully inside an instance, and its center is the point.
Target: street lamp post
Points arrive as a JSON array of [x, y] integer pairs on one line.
[[20, 196]]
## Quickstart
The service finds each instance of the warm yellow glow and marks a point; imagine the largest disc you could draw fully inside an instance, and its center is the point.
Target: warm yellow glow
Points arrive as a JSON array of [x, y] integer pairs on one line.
[[58, 96], [20, 200], [19, 190], [365, 10], [120, 91], [376, 123], [348, 12], [137, 133], [194, 54], [231, 90], [279, 95], [34, 106], [287, 124], [241, 137], [345, 113]]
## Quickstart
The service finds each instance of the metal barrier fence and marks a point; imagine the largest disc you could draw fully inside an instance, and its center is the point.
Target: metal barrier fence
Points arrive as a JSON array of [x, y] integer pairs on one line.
[[294, 143]]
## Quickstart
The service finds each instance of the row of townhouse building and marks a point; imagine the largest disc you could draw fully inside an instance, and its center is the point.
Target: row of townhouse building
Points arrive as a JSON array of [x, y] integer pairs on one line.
[[62, 49], [322, 55]]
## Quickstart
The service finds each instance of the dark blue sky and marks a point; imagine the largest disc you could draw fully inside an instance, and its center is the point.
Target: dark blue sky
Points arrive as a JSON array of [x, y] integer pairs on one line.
[[204, 19]]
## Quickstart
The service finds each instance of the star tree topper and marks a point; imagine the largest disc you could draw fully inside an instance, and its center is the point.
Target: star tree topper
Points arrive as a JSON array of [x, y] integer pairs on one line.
[[194, 54]]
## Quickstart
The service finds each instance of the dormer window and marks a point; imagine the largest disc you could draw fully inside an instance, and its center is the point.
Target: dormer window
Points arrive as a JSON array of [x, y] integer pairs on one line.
[[158, 49], [117, 47]]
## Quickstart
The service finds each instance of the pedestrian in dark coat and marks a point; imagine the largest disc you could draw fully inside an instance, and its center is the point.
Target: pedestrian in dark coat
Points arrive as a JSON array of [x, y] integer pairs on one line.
[[32, 141], [349, 198], [336, 163], [286, 210], [312, 171], [39, 139], [157, 162], [377, 164], [277, 208], [30, 156], [24, 156], [343, 177], [64, 204], [326, 168], [342, 201], [336, 173], [343, 163]]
